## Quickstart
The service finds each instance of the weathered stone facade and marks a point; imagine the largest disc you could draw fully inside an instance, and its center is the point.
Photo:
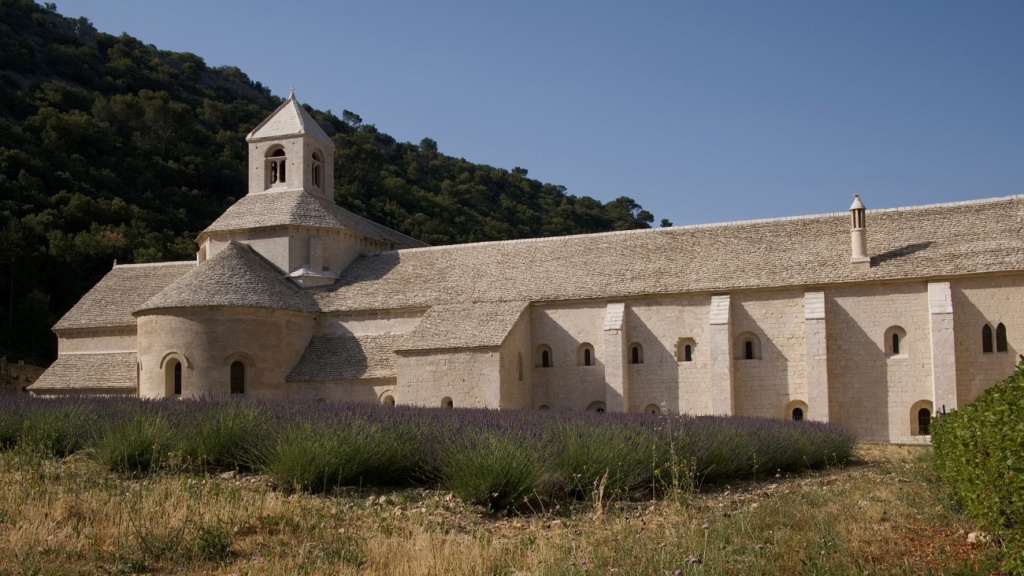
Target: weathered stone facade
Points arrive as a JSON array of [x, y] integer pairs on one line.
[[871, 320]]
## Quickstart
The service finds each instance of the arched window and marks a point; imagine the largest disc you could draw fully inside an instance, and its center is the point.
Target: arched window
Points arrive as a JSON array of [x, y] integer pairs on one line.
[[446, 402], [585, 355], [921, 418], [276, 161], [986, 339], [684, 349], [748, 347], [636, 354], [924, 421], [177, 377], [795, 410], [237, 378], [597, 406], [318, 168], [895, 341], [1001, 344], [388, 400], [544, 358]]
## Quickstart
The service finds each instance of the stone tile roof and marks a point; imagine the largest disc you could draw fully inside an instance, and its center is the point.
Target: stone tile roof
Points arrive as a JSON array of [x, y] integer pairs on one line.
[[111, 301], [919, 242], [290, 119], [235, 276], [267, 209], [347, 357], [464, 326], [70, 372]]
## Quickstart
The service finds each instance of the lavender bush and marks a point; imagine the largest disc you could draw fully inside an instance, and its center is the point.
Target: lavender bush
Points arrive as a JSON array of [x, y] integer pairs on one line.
[[496, 458]]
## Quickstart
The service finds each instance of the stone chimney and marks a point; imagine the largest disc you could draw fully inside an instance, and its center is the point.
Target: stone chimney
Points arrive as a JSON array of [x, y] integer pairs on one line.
[[858, 236]]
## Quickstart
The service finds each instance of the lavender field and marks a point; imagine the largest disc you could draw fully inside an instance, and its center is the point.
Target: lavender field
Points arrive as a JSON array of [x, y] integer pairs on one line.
[[499, 459]]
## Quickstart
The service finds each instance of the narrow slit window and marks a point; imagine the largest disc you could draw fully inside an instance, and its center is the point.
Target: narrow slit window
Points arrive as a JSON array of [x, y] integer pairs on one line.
[[895, 343], [237, 378], [545, 359], [748, 350], [688, 353], [177, 378], [318, 165], [636, 354], [587, 360]]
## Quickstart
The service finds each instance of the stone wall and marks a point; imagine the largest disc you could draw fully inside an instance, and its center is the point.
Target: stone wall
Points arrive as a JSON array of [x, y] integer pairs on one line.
[[368, 391], [516, 372], [977, 301], [664, 379], [98, 340], [563, 328], [763, 386], [872, 390], [207, 340], [469, 378], [15, 377]]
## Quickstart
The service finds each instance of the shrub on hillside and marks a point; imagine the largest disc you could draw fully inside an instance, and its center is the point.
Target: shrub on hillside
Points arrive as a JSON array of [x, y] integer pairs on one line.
[[979, 452]]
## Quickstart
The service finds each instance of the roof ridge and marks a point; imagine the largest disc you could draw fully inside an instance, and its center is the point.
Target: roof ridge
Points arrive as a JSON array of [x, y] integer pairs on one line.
[[714, 225], [144, 264]]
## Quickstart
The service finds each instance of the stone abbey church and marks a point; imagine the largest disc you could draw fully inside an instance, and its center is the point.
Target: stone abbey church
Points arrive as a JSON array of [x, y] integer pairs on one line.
[[873, 320]]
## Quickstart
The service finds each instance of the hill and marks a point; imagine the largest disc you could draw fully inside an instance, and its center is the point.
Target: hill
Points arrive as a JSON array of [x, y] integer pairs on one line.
[[111, 149]]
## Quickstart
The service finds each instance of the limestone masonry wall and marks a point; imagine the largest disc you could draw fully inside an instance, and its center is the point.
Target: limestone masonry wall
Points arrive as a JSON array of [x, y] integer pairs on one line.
[[976, 302], [664, 379], [872, 389], [516, 372], [207, 340], [764, 385], [562, 329], [469, 378], [100, 340]]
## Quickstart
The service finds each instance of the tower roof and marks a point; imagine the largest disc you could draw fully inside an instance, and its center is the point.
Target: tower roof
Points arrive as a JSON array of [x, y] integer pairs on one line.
[[235, 276], [288, 120], [857, 204]]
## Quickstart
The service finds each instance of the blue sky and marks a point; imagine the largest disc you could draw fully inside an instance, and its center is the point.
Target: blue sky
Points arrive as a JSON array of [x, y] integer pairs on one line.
[[701, 112]]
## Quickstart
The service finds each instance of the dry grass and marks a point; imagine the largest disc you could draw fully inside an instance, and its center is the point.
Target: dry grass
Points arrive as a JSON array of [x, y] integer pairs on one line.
[[883, 513]]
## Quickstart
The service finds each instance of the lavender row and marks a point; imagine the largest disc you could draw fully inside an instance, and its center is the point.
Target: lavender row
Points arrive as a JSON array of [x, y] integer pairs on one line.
[[500, 459]]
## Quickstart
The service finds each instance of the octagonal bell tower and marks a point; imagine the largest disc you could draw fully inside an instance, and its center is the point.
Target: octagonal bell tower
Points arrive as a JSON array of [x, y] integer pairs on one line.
[[288, 151]]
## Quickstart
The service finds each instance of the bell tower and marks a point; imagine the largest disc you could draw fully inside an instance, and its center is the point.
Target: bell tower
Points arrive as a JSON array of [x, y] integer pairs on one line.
[[288, 151]]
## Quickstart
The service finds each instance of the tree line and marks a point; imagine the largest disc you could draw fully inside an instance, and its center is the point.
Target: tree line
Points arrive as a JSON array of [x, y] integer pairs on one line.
[[111, 149]]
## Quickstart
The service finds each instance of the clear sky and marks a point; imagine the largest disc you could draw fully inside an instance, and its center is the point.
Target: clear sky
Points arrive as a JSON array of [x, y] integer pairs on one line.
[[700, 111]]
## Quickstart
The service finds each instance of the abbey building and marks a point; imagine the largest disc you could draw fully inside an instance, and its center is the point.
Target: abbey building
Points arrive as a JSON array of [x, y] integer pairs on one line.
[[873, 320]]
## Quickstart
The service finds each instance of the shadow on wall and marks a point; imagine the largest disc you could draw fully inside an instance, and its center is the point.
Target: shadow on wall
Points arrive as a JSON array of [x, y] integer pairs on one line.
[[655, 381], [858, 377], [565, 384], [763, 377], [899, 252], [977, 371]]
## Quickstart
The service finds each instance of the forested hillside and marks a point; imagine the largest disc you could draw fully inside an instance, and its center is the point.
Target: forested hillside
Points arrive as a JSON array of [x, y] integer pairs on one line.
[[111, 149]]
